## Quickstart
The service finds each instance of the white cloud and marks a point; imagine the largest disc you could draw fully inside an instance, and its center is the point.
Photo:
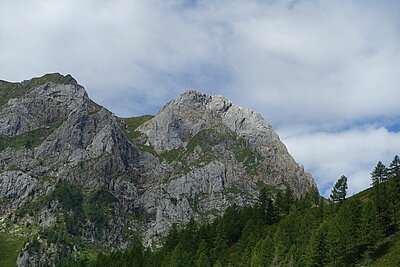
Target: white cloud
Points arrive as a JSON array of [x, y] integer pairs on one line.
[[296, 60], [353, 153]]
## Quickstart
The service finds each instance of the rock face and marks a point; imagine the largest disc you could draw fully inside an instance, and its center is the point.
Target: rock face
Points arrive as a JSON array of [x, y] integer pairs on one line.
[[69, 168], [182, 119]]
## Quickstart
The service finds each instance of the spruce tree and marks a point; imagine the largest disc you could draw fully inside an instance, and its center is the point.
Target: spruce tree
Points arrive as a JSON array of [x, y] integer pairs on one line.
[[393, 188], [202, 257], [289, 198], [280, 204], [284, 201], [370, 230], [218, 251], [379, 175], [381, 194], [394, 168], [339, 191], [281, 243], [342, 234], [262, 252], [271, 213], [316, 250]]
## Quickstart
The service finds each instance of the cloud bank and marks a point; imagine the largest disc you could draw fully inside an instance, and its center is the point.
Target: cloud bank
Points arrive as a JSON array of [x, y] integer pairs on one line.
[[353, 153], [318, 70]]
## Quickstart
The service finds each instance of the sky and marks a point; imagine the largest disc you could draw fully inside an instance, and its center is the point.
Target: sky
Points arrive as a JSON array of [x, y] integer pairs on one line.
[[324, 73]]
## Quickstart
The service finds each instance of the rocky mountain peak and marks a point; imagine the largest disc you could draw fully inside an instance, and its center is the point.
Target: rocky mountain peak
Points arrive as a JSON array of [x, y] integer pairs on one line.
[[40, 101], [203, 101], [194, 111], [199, 155]]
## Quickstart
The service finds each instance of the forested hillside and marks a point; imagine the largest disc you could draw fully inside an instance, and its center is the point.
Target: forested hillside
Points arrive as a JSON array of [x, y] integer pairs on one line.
[[279, 231]]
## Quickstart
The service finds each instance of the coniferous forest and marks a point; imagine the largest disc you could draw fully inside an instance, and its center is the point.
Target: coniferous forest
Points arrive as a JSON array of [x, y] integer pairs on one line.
[[360, 230]]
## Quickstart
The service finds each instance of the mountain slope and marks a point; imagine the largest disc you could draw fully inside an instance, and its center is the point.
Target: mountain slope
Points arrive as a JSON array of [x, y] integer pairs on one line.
[[74, 176]]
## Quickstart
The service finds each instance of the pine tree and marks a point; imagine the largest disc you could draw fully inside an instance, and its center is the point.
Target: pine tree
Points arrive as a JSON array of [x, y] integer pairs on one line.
[[245, 257], [178, 258], [280, 204], [281, 244], [379, 175], [284, 201], [262, 203], [218, 264], [394, 168], [394, 187], [172, 238], [218, 252], [339, 191], [370, 230], [342, 234], [349, 217], [381, 194], [271, 215], [202, 257], [289, 199], [262, 252], [316, 250], [321, 210]]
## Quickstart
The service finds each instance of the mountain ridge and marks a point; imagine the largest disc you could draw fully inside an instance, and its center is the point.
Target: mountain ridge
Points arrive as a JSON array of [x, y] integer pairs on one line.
[[70, 166]]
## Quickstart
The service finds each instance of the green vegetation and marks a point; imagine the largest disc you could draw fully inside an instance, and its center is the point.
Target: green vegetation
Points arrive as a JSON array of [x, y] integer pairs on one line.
[[96, 110], [388, 254], [28, 140], [209, 138], [206, 139], [71, 201], [77, 210], [233, 190], [172, 155], [250, 159], [12, 167], [133, 123], [95, 206], [148, 149], [99, 207], [14, 90], [339, 191], [10, 246]]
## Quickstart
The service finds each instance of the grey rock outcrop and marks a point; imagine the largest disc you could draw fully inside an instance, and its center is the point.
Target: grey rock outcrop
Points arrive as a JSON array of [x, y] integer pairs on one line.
[[15, 187], [193, 112]]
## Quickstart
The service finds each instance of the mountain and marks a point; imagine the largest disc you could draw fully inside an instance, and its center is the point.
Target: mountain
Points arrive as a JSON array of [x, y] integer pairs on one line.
[[76, 179]]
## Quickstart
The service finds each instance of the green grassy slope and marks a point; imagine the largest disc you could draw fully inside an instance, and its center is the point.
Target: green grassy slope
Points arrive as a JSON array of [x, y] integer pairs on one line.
[[10, 246], [389, 253]]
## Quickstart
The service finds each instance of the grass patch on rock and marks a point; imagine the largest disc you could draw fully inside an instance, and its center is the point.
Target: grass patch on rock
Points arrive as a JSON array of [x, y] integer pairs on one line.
[[28, 140], [133, 123]]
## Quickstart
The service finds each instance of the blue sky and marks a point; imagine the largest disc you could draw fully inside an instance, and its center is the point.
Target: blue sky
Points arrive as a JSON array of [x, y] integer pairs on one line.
[[324, 73]]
